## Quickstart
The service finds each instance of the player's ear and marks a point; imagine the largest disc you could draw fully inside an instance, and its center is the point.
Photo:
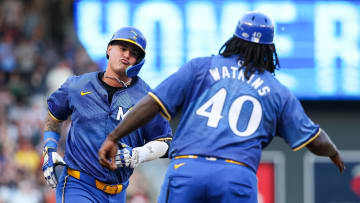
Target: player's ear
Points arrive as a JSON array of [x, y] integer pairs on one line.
[[109, 47]]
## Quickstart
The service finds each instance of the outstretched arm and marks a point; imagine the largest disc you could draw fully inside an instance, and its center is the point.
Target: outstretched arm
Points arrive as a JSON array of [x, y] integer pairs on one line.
[[143, 112], [323, 146], [133, 157]]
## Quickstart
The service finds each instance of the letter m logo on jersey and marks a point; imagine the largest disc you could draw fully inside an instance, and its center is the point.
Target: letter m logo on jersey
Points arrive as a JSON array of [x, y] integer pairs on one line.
[[121, 115]]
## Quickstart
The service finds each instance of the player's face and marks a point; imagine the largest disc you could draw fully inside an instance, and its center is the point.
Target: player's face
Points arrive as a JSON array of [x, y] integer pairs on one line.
[[121, 56]]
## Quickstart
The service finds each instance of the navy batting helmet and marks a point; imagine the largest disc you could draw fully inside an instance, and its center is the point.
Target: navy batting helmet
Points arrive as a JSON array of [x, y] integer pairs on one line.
[[133, 36], [255, 27]]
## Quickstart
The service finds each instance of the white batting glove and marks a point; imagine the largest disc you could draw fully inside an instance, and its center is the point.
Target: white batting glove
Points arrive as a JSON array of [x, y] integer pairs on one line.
[[123, 157], [128, 157], [51, 160]]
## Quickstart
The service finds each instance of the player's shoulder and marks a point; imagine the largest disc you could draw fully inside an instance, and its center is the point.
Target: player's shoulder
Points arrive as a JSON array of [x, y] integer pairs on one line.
[[88, 76], [84, 76], [273, 79], [278, 89], [80, 80], [198, 64], [139, 83], [199, 61]]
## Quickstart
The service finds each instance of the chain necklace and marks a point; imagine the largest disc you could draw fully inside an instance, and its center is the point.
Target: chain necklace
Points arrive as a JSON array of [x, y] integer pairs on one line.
[[125, 84]]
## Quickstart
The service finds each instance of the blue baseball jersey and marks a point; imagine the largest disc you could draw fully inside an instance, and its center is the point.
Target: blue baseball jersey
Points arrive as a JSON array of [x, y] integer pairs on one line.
[[228, 116], [92, 118]]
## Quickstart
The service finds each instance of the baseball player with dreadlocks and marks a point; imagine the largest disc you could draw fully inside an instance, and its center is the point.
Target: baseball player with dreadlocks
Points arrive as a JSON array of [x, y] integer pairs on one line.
[[232, 107], [97, 102]]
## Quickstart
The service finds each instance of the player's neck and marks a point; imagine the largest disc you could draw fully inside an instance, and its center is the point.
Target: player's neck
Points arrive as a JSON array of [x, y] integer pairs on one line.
[[115, 80]]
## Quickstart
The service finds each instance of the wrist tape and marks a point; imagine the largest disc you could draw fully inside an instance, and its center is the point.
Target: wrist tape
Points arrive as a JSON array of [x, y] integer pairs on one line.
[[51, 139]]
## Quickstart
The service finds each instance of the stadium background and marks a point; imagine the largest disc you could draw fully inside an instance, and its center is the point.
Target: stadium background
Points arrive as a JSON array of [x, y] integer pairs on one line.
[[40, 47]]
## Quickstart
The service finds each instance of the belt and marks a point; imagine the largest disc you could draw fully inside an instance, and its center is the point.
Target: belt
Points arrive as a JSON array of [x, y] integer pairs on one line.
[[109, 189], [210, 159]]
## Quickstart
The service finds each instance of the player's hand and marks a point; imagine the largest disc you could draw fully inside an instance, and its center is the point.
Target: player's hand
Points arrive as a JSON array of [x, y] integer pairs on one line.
[[123, 157], [51, 160], [128, 157], [107, 154], [337, 160]]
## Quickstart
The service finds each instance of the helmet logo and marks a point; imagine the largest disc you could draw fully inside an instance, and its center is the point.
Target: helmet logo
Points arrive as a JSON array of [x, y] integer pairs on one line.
[[256, 37], [134, 37], [244, 34]]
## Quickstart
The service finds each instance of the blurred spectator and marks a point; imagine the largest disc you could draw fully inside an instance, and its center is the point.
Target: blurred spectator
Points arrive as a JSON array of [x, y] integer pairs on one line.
[[26, 53], [7, 55], [57, 76], [37, 79], [12, 13], [18, 87], [26, 157], [27, 192]]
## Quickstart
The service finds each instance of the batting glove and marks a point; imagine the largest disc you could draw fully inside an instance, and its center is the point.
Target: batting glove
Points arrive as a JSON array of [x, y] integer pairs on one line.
[[128, 157], [51, 160], [123, 157]]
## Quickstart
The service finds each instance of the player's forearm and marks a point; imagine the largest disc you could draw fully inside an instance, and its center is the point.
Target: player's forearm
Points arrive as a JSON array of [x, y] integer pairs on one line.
[[51, 124], [323, 146], [142, 113], [51, 132], [152, 150]]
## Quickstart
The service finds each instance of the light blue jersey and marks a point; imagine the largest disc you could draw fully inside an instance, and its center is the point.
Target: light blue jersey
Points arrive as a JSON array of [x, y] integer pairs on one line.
[[227, 116], [93, 118]]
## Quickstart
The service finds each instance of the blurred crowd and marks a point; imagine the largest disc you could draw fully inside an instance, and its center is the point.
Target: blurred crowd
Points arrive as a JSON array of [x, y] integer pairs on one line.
[[37, 53]]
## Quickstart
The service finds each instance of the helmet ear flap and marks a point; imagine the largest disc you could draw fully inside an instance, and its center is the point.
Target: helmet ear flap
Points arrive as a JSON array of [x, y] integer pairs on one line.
[[134, 70]]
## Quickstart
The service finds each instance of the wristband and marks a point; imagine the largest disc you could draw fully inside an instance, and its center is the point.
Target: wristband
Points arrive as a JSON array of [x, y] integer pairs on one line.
[[51, 139]]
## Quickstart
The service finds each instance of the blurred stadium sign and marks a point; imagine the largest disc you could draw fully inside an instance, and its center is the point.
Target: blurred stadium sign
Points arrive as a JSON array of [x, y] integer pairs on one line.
[[323, 182], [317, 41], [271, 178]]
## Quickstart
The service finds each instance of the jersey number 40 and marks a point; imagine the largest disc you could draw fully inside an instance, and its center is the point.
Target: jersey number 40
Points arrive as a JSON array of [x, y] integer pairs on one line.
[[216, 103]]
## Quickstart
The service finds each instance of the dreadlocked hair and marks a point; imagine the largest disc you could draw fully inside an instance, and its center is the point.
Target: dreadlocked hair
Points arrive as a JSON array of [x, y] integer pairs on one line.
[[254, 56]]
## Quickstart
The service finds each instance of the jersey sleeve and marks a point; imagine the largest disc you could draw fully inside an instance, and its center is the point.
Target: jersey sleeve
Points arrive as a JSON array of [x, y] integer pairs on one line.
[[295, 127], [58, 102], [157, 129], [171, 93]]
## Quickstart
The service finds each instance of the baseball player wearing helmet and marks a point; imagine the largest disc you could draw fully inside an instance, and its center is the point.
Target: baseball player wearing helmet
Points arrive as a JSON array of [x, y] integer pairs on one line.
[[96, 103], [232, 107]]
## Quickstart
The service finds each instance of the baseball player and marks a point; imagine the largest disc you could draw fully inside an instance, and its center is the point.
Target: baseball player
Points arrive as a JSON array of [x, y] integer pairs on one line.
[[96, 103], [232, 107]]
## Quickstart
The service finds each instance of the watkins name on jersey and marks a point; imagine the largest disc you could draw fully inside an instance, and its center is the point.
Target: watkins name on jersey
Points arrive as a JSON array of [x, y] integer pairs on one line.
[[236, 73]]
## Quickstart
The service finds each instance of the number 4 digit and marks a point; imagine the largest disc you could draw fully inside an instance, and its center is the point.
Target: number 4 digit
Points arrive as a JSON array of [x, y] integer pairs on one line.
[[217, 103]]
